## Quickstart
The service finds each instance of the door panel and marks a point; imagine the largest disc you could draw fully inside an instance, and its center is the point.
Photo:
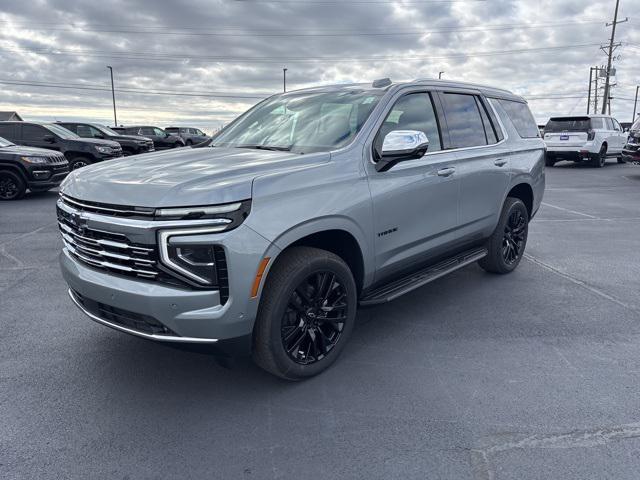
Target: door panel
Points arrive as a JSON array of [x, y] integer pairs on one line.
[[415, 203]]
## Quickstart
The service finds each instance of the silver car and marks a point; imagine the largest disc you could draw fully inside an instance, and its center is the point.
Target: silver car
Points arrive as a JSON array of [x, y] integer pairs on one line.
[[310, 204], [191, 136]]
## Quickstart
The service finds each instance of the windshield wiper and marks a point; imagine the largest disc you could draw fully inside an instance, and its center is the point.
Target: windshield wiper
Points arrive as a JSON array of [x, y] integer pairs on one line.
[[266, 147]]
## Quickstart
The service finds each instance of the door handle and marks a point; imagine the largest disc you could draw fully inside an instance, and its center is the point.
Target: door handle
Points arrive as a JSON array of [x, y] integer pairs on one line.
[[501, 162], [446, 172]]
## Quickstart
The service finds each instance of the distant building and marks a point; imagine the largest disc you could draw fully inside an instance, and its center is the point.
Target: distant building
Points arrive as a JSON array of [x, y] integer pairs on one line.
[[10, 117]]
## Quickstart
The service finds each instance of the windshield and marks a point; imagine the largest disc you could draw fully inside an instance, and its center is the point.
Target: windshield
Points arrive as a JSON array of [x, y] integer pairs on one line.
[[636, 125], [5, 143], [106, 130], [303, 122], [568, 124], [61, 131]]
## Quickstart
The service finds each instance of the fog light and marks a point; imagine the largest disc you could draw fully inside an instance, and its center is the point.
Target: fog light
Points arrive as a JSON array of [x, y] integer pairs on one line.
[[41, 174]]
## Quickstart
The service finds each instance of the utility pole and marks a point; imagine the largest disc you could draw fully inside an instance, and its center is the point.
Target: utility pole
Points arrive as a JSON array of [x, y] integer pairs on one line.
[[589, 97], [612, 47], [440, 75], [284, 79], [113, 96], [635, 104]]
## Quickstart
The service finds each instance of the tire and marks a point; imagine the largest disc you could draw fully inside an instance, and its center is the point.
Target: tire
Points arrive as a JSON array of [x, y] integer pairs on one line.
[[189, 143], [78, 162], [600, 159], [505, 246], [12, 186], [285, 319], [549, 162], [177, 145], [620, 160]]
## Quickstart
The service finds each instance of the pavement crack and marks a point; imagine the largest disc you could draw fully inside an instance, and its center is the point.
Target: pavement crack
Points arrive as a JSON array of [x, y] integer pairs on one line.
[[568, 210]]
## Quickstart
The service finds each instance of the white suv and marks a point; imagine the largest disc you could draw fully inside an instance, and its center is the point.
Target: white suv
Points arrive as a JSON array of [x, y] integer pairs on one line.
[[589, 138]]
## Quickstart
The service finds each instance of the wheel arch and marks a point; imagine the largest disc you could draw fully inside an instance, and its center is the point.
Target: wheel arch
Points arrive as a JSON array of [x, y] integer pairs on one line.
[[524, 192], [16, 169], [334, 235]]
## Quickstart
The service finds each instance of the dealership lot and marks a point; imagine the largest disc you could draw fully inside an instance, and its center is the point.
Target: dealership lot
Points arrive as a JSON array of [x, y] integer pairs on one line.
[[533, 375]]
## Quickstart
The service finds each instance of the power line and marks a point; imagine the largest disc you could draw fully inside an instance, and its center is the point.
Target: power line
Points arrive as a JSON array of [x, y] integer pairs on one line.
[[150, 56], [126, 90], [306, 33]]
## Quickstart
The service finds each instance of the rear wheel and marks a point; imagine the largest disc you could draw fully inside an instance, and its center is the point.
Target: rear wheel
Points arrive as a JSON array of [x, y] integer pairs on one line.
[[12, 187], [189, 143], [506, 245], [620, 160], [600, 159], [306, 314], [549, 162]]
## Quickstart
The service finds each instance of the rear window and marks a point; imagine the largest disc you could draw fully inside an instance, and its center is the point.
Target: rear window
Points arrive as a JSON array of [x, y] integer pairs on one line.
[[521, 117], [568, 124]]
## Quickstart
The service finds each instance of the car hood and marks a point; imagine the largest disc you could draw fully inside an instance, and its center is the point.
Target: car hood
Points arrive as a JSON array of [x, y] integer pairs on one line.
[[181, 177], [19, 150]]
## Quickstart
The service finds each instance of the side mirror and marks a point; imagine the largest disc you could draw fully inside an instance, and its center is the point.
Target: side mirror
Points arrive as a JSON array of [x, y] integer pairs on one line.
[[49, 139], [402, 145]]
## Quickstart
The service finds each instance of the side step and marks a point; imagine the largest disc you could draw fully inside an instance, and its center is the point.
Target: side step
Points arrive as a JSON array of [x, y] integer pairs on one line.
[[399, 287]]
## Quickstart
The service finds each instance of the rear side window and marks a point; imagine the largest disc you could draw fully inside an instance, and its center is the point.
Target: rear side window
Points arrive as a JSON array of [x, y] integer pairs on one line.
[[464, 122], [8, 131], [521, 117], [609, 123], [597, 123]]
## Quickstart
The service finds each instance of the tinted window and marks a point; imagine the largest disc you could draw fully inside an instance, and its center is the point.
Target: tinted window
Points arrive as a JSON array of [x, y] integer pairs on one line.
[[597, 123], [463, 120], [521, 117], [171, 130], [7, 131], [488, 127], [412, 112], [157, 131], [568, 124], [33, 132], [147, 131], [87, 131]]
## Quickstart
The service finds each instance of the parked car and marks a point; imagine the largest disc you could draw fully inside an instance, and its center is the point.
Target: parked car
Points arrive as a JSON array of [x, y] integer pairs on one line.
[[311, 203], [22, 168], [78, 151], [161, 139], [588, 138], [626, 126], [631, 151], [131, 145], [191, 136]]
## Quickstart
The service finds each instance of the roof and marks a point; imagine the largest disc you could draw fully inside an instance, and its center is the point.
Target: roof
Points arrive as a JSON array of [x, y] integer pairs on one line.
[[4, 116], [487, 90]]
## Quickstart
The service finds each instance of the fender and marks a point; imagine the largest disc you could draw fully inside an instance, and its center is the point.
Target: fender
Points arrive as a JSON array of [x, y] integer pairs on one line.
[[15, 167]]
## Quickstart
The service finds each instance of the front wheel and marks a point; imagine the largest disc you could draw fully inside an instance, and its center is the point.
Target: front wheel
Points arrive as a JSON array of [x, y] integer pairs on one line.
[[507, 243], [12, 187], [78, 162], [621, 160], [306, 314]]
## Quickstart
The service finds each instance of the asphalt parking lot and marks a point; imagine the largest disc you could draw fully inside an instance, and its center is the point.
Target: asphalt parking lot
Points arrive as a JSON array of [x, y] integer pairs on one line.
[[533, 375]]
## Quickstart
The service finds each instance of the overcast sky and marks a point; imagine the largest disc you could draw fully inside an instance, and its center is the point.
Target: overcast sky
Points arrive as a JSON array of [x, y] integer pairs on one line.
[[202, 48]]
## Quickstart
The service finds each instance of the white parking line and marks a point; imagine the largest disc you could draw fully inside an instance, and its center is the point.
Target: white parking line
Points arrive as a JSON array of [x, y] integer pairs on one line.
[[568, 210]]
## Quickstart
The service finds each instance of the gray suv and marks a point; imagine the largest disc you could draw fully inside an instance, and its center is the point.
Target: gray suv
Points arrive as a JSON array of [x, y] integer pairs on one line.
[[191, 136], [308, 205]]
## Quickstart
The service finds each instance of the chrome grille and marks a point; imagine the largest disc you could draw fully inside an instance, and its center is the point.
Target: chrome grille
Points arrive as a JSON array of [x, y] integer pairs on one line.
[[106, 250]]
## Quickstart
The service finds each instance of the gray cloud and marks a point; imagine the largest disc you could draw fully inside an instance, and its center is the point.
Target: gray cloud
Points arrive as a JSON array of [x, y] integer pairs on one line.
[[168, 46]]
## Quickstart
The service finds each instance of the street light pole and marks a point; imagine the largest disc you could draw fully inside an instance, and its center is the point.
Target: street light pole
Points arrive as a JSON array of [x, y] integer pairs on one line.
[[284, 79], [113, 96], [440, 75]]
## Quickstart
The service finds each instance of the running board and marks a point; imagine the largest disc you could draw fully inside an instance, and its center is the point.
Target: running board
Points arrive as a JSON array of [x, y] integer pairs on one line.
[[397, 288]]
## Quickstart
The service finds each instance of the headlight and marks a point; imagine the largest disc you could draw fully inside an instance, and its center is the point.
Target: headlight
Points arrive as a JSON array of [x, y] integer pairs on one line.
[[36, 160], [140, 142], [197, 262], [103, 149]]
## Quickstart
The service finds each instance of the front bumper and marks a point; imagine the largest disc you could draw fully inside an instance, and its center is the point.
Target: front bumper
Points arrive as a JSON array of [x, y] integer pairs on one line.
[[47, 176], [631, 154], [190, 315]]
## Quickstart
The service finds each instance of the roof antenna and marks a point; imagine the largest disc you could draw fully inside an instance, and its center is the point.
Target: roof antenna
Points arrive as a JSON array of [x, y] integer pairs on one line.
[[382, 82]]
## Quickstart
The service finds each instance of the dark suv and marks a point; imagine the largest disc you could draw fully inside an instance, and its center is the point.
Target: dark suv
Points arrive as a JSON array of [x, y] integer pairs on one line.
[[79, 151], [161, 139], [131, 145], [631, 151], [34, 168]]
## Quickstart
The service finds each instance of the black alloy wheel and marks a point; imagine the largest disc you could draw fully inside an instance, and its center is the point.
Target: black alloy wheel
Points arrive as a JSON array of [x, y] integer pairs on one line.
[[314, 318], [514, 237], [9, 187], [79, 163]]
